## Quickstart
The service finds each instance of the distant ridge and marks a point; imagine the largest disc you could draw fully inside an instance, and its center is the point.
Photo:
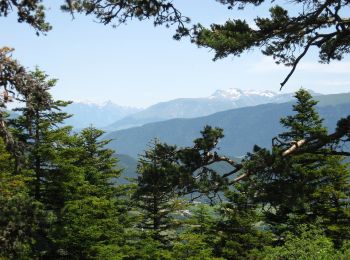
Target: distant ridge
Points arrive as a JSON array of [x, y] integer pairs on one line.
[[220, 100], [243, 127], [87, 113]]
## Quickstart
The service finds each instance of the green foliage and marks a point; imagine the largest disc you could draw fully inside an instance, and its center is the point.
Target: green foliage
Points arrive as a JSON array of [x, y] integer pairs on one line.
[[88, 224], [197, 173], [22, 222], [307, 187], [306, 123], [37, 129], [284, 36], [156, 191], [192, 246], [240, 231], [58, 198], [31, 12], [309, 243], [93, 214], [22, 219]]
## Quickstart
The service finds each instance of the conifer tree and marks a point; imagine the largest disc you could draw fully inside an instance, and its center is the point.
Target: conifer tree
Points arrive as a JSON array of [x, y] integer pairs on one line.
[[38, 130], [302, 188], [156, 191], [239, 228], [22, 219], [94, 216]]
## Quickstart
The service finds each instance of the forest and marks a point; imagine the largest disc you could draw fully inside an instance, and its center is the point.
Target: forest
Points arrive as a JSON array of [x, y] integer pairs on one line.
[[60, 190]]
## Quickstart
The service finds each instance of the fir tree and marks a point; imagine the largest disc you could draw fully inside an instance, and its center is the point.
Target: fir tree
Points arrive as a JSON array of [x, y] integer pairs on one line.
[[156, 191], [93, 217], [302, 188], [38, 130], [22, 219], [239, 228]]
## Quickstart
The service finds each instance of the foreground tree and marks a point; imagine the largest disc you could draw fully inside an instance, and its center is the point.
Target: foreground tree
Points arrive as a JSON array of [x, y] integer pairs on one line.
[[240, 229], [93, 216], [324, 25], [38, 132], [22, 219], [286, 37], [310, 187]]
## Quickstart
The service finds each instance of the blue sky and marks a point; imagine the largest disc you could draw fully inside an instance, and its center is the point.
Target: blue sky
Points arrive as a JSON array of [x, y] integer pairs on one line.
[[139, 65]]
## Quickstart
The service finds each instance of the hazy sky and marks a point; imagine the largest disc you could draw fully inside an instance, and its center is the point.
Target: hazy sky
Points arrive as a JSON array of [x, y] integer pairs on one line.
[[139, 65]]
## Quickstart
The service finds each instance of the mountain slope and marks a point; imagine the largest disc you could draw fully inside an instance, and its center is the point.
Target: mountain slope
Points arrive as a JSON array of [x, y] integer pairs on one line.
[[243, 127], [98, 115], [220, 100]]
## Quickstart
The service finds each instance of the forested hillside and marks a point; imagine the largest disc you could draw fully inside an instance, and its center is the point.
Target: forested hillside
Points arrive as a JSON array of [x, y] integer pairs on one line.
[[243, 127], [220, 100], [62, 192]]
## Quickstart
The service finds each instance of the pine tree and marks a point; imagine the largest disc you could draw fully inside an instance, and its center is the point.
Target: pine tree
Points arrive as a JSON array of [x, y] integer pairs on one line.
[[303, 188], [22, 219], [94, 215], [156, 192], [38, 130], [239, 228]]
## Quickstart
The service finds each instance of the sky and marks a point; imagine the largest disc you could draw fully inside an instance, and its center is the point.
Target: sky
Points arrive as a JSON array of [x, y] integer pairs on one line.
[[139, 65]]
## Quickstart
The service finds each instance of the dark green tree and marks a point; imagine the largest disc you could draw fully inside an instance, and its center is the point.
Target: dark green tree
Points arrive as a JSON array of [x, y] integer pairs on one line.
[[156, 192], [22, 219], [305, 187], [197, 236], [94, 215], [199, 176], [286, 36], [38, 130], [240, 230]]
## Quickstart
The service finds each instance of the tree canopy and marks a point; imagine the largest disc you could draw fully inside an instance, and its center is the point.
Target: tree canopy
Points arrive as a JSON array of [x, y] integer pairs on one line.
[[285, 35]]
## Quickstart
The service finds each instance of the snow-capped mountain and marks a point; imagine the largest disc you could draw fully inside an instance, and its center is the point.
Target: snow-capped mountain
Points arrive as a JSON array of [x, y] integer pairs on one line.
[[243, 98], [87, 113], [220, 100], [236, 93]]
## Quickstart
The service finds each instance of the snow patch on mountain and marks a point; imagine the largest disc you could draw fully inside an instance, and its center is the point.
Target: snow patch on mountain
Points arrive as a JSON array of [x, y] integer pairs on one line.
[[235, 94]]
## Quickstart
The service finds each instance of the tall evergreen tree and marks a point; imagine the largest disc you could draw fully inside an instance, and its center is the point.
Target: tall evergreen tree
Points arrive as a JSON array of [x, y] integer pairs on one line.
[[94, 217], [38, 129], [22, 219], [156, 190], [308, 187]]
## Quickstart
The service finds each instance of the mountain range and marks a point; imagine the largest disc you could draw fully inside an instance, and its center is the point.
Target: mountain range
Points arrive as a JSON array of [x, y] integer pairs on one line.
[[220, 100], [87, 113], [243, 127], [111, 117]]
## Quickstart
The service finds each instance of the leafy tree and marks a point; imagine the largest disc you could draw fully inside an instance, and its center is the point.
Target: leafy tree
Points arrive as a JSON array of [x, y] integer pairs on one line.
[[202, 219], [308, 243], [16, 84], [192, 246], [198, 176], [31, 12], [97, 161]]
